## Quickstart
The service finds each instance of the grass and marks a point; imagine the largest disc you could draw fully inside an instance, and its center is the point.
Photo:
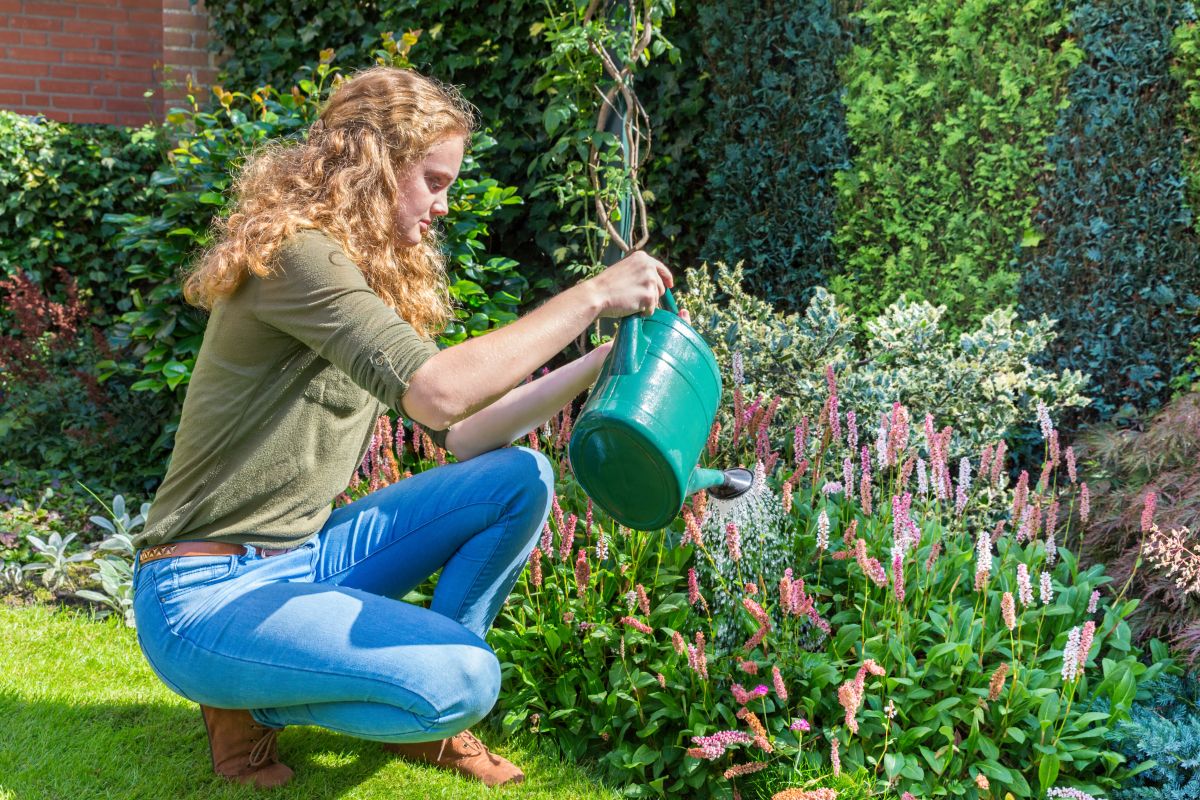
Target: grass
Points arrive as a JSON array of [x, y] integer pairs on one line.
[[82, 717]]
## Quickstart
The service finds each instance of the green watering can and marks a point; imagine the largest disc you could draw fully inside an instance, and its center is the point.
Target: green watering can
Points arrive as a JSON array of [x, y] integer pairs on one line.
[[636, 445]]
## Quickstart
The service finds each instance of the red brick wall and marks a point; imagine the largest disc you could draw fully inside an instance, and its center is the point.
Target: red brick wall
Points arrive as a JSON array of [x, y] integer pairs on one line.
[[185, 52], [94, 60]]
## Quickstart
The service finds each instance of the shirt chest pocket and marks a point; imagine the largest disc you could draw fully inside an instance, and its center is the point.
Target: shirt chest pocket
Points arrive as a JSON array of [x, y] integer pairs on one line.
[[333, 389]]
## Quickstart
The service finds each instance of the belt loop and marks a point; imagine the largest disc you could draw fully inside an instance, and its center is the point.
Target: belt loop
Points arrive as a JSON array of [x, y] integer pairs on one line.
[[250, 549]]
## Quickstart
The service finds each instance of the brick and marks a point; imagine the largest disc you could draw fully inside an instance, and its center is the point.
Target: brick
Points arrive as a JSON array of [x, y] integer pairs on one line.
[[37, 100], [49, 9], [104, 88], [189, 58], [119, 75], [134, 90], [91, 27], [94, 117], [35, 23], [90, 57], [103, 13], [145, 17], [138, 45], [10, 99], [64, 87], [127, 104], [76, 101], [34, 39], [137, 60], [11, 7], [72, 71], [174, 17], [177, 39], [44, 54], [14, 68], [72, 42], [137, 30], [9, 37], [12, 83]]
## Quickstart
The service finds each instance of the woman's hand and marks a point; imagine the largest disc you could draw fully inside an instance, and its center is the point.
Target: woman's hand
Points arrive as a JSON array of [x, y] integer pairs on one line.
[[633, 285]]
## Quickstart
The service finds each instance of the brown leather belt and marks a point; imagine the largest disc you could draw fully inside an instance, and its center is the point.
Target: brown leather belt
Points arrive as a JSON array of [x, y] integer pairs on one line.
[[202, 549]]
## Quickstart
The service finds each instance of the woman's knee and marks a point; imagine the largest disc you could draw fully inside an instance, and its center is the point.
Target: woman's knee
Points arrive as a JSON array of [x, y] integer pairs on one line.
[[533, 467], [471, 684]]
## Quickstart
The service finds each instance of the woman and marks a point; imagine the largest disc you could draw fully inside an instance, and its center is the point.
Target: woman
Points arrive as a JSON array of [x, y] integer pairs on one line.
[[326, 285]]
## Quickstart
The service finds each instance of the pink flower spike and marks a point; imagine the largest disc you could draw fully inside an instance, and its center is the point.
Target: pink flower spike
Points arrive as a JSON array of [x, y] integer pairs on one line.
[[777, 680], [733, 542], [1149, 504]]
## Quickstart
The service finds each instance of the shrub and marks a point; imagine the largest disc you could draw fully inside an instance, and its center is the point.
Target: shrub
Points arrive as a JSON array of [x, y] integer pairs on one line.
[[55, 413], [948, 104], [612, 643], [57, 181], [1185, 70], [528, 69], [1123, 467], [1163, 734], [191, 190], [775, 136], [982, 380], [1118, 265]]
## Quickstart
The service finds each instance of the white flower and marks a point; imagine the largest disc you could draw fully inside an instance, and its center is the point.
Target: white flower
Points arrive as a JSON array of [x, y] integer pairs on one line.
[[1070, 655]]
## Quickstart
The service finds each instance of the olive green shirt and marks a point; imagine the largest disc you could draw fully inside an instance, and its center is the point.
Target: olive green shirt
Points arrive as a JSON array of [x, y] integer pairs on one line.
[[292, 374]]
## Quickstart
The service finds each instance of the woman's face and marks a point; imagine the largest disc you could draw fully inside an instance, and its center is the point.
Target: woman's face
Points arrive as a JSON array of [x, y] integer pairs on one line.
[[423, 189]]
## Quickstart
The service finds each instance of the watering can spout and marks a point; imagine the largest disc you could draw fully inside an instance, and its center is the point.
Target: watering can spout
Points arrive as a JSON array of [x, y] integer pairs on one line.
[[721, 484]]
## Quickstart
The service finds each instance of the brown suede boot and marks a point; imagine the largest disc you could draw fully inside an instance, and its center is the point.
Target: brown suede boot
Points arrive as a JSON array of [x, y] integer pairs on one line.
[[242, 750], [462, 753]]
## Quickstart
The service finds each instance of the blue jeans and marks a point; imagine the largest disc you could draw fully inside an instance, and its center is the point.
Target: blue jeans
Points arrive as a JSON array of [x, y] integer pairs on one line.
[[319, 636]]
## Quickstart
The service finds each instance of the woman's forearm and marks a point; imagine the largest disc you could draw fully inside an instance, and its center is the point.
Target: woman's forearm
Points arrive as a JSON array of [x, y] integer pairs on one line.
[[523, 408], [461, 380]]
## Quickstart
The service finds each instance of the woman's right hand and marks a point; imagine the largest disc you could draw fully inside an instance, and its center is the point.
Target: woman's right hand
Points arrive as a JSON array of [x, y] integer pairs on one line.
[[633, 285]]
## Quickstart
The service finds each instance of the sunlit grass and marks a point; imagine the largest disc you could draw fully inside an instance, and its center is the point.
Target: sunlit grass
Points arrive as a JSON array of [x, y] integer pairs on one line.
[[82, 717]]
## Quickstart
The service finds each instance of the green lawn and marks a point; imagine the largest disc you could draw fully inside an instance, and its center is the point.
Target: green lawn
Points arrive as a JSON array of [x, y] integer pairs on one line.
[[82, 717]]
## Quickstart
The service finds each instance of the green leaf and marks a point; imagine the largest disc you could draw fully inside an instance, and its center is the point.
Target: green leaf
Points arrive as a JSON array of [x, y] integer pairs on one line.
[[1048, 771]]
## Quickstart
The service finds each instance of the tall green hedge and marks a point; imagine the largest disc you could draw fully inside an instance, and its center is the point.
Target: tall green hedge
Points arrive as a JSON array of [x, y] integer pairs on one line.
[[948, 104], [510, 63], [1185, 69], [57, 181], [1119, 265], [773, 138]]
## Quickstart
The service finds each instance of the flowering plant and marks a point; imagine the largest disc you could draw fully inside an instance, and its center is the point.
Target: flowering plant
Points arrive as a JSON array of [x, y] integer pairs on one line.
[[985, 380], [868, 606]]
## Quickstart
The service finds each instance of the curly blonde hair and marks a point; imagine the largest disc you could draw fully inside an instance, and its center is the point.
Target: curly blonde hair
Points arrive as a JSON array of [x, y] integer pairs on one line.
[[343, 181]]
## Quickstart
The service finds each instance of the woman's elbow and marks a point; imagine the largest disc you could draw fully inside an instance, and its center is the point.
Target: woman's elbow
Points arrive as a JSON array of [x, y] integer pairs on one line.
[[429, 403]]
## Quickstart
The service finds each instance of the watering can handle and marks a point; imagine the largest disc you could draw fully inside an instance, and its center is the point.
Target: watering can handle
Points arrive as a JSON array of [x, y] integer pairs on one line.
[[627, 350]]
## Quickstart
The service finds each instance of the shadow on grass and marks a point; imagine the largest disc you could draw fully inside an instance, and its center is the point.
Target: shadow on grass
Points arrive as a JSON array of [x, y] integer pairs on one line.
[[149, 750], [50, 749]]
